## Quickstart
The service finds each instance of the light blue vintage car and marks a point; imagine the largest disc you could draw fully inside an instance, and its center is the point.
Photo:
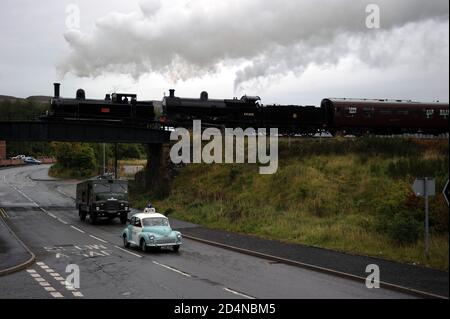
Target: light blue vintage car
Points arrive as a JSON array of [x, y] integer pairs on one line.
[[150, 229]]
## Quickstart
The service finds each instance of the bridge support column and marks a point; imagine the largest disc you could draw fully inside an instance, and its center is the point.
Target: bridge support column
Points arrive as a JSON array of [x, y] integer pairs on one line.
[[156, 175]]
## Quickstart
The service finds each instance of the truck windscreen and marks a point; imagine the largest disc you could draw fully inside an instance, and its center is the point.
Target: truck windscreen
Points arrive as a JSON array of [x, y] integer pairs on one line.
[[110, 188]]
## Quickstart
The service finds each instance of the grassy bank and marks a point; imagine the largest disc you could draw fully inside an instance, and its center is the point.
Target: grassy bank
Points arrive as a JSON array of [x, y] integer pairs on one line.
[[352, 195]]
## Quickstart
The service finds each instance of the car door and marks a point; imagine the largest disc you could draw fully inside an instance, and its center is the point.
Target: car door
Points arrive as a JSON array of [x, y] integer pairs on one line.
[[130, 229], [136, 230]]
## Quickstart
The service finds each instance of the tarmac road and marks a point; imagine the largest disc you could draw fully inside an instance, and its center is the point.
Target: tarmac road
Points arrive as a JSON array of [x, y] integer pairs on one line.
[[47, 222]]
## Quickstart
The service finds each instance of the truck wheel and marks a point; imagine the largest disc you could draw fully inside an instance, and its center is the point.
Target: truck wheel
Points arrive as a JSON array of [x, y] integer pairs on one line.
[[126, 244], [176, 248], [143, 246], [93, 218], [82, 215]]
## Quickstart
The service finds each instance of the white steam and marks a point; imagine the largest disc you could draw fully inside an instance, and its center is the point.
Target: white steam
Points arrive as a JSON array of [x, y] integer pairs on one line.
[[183, 39]]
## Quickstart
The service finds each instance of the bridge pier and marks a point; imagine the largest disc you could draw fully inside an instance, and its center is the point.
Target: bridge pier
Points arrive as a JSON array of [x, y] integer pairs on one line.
[[156, 176]]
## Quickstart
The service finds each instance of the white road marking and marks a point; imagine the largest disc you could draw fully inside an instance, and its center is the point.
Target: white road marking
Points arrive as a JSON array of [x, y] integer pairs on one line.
[[52, 215], [35, 275], [24, 195], [31, 271], [238, 293], [39, 279], [40, 263], [49, 289], [63, 221], [99, 239], [44, 284], [44, 267], [77, 294], [57, 295], [59, 278], [54, 274], [130, 252], [173, 269], [81, 231]]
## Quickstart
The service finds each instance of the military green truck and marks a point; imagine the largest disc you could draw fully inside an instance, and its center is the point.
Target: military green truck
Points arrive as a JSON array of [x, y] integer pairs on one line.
[[102, 198]]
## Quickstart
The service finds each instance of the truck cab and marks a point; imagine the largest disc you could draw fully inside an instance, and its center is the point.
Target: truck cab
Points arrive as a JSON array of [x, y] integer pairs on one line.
[[102, 197]]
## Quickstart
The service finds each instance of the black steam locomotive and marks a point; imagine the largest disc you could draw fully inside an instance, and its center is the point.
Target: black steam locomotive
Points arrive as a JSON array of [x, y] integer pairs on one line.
[[334, 116], [115, 108]]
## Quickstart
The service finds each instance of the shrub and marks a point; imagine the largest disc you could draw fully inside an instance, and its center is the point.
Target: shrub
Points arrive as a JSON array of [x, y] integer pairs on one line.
[[404, 229]]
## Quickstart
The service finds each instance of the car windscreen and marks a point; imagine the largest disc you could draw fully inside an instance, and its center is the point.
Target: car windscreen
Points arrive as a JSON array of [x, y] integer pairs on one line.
[[155, 221]]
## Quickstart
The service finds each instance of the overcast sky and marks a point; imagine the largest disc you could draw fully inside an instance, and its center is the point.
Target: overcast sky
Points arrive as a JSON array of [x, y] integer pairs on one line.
[[286, 51]]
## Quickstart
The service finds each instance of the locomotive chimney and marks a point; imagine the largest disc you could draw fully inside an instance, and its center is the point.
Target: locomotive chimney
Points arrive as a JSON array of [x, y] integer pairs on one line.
[[56, 89], [172, 93]]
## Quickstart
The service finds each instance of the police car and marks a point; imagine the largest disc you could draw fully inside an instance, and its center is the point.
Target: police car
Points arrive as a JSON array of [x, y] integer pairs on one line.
[[150, 229]]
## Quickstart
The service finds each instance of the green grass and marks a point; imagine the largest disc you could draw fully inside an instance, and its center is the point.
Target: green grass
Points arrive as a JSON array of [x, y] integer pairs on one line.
[[342, 194], [56, 170]]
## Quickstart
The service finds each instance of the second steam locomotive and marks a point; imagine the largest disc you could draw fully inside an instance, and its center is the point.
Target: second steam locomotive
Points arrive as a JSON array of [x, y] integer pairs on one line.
[[334, 116]]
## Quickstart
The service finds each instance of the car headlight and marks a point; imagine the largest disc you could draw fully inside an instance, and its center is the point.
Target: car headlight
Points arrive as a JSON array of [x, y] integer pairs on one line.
[[151, 237]]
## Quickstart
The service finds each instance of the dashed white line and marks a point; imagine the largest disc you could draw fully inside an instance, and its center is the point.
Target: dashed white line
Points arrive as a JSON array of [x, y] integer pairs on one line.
[[56, 295], [130, 252], [77, 294], [173, 269], [99, 239], [238, 293], [80, 230], [44, 283], [63, 221]]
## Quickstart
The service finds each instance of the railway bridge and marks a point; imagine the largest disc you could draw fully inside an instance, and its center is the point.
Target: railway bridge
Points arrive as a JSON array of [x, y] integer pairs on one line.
[[156, 141]]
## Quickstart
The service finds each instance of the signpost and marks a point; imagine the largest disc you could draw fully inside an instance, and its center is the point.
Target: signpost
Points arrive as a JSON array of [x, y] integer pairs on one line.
[[425, 187]]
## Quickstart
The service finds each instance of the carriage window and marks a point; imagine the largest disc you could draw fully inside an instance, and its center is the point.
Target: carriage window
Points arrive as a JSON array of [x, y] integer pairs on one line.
[[368, 111], [443, 113], [352, 110], [429, 113]]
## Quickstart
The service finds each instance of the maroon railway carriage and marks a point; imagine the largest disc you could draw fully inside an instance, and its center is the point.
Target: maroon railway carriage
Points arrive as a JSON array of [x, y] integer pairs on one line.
[[353, 116]]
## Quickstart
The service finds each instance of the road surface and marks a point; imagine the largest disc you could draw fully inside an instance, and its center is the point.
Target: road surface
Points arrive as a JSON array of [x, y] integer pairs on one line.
[[47, 222]]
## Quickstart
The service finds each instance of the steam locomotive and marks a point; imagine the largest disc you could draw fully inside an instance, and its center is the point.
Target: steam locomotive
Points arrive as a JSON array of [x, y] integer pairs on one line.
[[115, 108], [334, 116]]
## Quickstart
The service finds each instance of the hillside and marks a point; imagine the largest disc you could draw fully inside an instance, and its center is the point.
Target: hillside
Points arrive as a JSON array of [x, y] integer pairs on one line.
[[352, 195]]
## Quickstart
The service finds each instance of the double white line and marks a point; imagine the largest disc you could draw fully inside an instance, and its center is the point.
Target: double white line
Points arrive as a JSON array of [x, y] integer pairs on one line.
[[3, 213]]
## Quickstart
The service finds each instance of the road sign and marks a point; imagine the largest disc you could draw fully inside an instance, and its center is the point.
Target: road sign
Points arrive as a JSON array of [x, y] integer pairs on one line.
[[445, 192], [424, 187]]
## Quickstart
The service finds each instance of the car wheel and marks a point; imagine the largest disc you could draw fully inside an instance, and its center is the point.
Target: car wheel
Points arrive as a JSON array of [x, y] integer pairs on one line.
[[176, 248], [143, 246], [126, 244], [82, 215]]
